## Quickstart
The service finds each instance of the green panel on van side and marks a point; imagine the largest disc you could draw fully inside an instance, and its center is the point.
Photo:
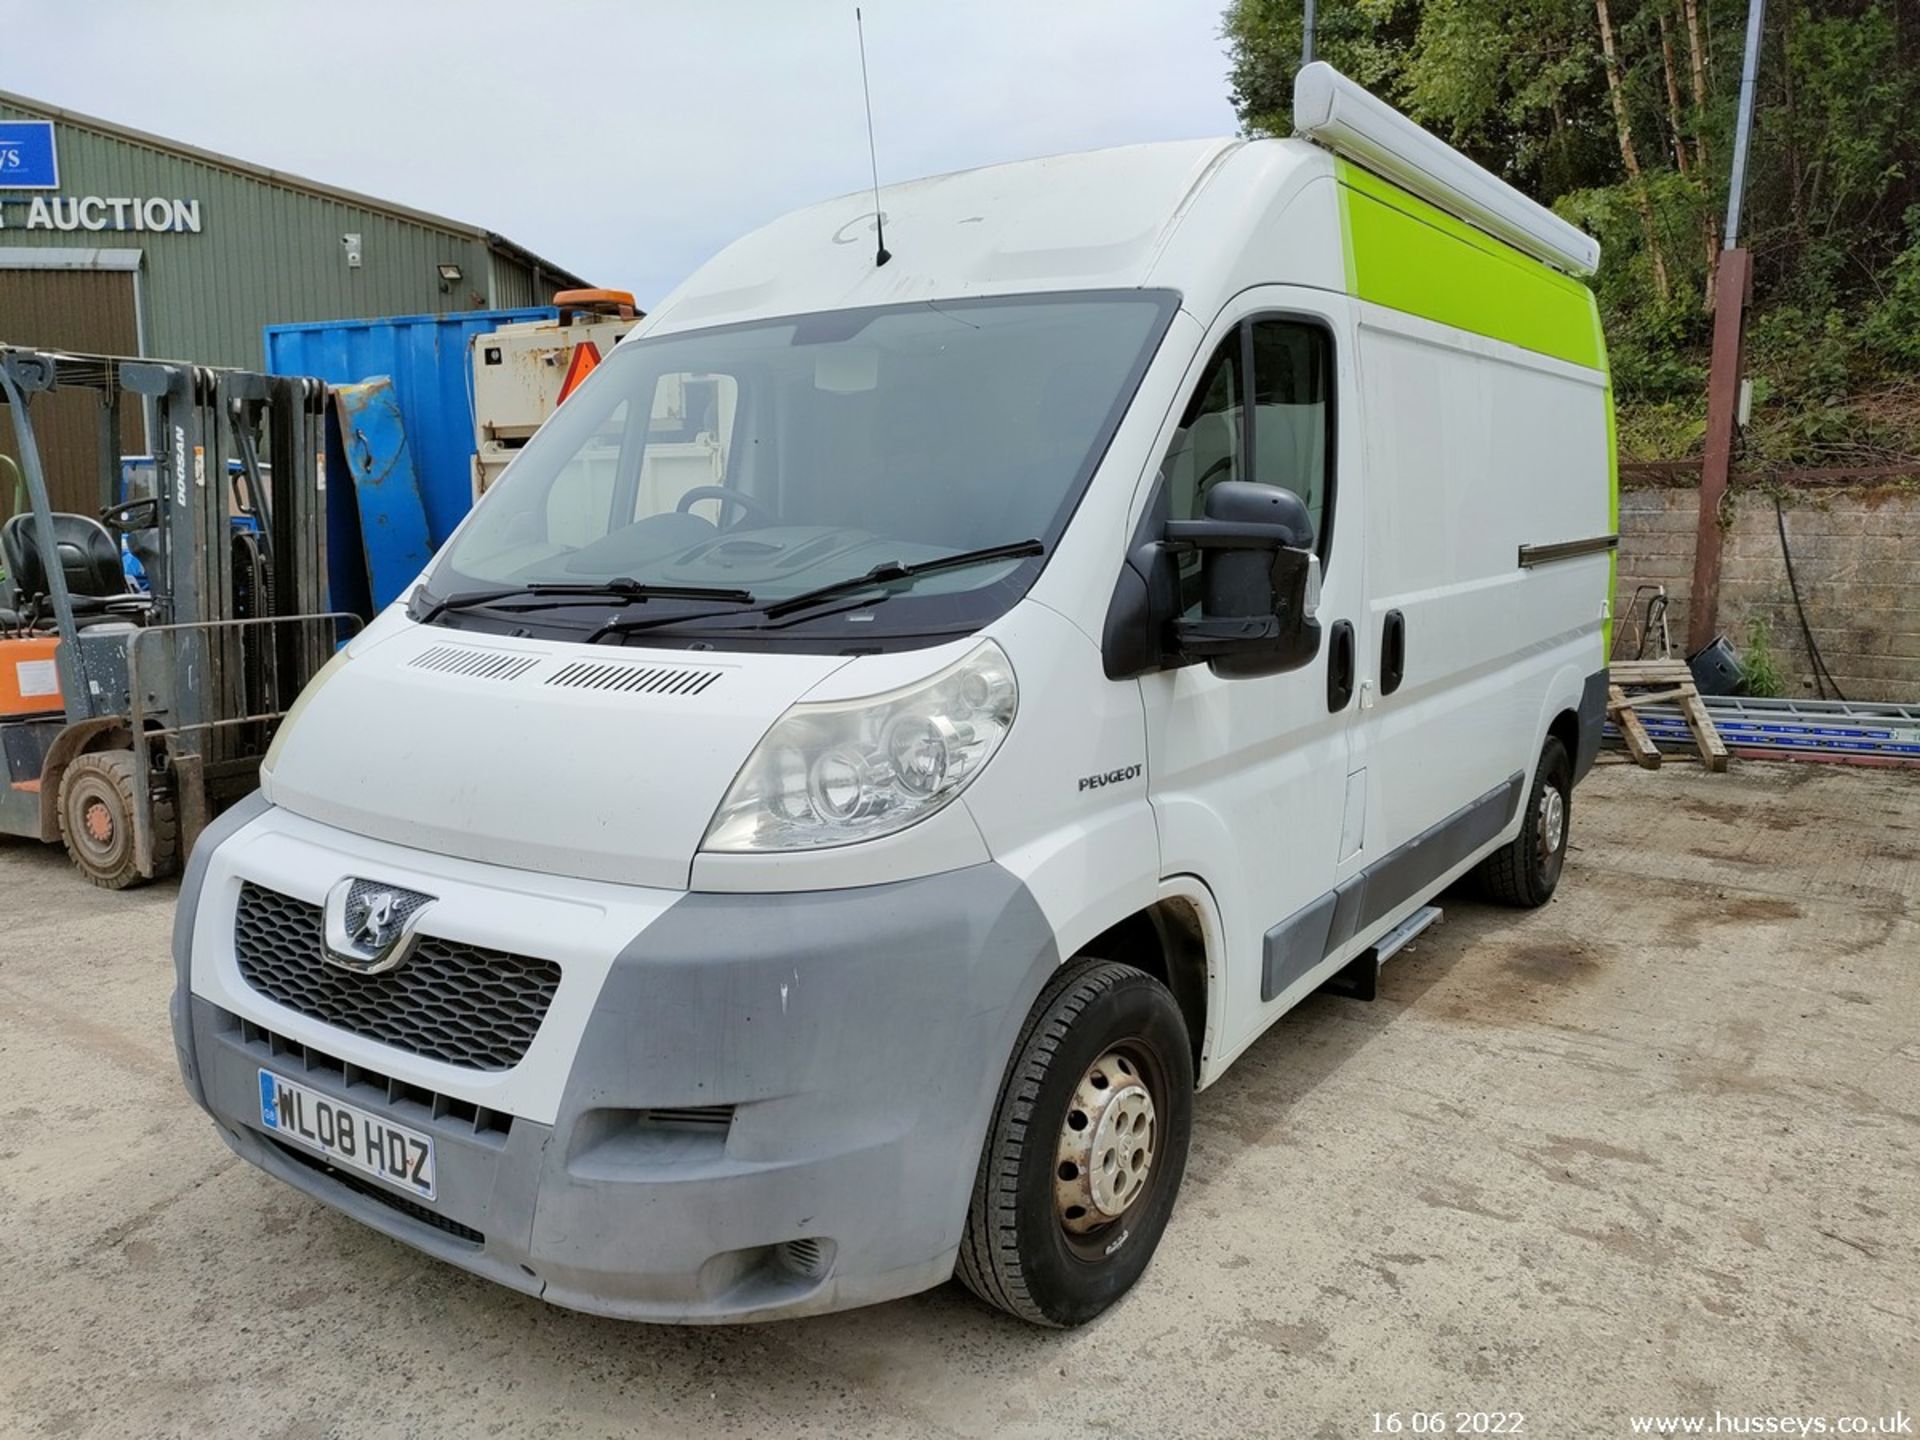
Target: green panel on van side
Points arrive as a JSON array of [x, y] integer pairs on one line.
[[1403, 253]]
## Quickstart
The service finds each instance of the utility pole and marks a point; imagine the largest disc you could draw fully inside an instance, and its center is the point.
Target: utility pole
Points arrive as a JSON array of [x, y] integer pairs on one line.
[[1306, 39], [1733, 288]]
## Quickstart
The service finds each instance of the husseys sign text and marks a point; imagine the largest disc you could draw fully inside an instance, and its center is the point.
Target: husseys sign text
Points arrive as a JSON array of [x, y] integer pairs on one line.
[[29, 161]]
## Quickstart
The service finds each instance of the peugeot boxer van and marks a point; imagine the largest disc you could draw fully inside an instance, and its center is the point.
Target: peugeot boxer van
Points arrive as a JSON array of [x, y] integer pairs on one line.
[[909, 721]]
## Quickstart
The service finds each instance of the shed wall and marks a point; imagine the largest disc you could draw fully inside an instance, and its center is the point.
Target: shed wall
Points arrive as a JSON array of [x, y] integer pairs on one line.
[[267, 252]]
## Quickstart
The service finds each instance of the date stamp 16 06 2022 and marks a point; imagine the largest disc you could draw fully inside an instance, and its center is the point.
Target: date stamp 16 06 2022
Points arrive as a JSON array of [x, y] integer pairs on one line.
[[1449, 1422]]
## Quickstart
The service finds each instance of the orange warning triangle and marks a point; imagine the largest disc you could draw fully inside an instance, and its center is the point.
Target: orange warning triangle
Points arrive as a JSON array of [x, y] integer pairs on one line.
[[586, 355]]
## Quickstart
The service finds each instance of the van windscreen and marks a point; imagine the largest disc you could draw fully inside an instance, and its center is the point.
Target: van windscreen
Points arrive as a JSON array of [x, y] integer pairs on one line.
[[776, 458]]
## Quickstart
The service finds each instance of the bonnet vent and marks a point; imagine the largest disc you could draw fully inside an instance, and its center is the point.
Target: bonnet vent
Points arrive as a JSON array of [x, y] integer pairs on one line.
[[473, 663], [633, 679]]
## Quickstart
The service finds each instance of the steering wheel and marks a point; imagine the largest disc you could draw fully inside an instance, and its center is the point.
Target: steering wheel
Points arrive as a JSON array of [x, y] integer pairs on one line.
[[750, 508], [131, 516]]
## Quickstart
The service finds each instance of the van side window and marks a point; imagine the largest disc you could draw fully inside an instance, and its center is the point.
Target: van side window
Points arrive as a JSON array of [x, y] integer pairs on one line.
[[1292, 380], [1208, 447]]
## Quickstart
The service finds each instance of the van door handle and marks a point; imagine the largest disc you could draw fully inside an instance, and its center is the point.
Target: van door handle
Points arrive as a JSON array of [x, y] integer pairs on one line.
[[1393, 652], [1340, 666]]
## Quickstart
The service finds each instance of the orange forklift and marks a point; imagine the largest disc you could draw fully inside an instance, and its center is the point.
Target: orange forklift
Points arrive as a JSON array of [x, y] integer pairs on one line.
[[132, 712]]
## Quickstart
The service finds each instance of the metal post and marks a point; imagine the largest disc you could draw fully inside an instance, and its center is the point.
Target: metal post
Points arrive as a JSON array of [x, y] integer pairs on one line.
[[39, 374], [1723, 403], [1743, 126], [1306, 41], [1732, 289]]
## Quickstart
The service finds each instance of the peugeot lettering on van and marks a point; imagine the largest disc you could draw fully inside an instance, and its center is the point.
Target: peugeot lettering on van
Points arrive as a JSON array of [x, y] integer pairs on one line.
[[897, 733]]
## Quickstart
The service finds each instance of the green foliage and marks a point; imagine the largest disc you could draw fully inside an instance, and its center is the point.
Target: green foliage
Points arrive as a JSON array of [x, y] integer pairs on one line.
[[1832, 214], [1757, 665], [1892, 328]]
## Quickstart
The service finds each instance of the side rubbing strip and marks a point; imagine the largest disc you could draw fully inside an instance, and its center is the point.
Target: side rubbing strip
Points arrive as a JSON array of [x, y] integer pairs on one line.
[[1296, 945], [1532, 555], [1409, 870], [1350, 901], [1317, 929]]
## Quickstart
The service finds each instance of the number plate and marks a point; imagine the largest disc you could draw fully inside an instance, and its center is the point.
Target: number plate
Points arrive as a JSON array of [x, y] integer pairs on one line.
[[348, 1136]]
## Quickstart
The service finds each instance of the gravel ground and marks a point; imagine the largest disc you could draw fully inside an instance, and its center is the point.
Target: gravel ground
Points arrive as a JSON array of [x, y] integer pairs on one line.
[[1649, 1150]]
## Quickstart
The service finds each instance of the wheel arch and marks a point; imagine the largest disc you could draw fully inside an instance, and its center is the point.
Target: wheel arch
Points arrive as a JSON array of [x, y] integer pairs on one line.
[[1175, 939], [1565, 727], [1572, 710], [107, 732]]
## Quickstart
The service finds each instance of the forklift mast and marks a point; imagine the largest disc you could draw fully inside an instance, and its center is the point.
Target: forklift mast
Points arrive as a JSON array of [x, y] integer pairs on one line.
[[166, 701]]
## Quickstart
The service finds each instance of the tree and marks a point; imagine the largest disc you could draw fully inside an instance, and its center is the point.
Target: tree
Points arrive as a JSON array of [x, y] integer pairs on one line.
[[1619, 113]]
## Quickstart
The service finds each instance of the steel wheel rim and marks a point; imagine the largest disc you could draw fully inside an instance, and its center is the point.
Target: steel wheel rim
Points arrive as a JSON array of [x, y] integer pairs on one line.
[[1552, 826], [92, 803], [1104, 1159]]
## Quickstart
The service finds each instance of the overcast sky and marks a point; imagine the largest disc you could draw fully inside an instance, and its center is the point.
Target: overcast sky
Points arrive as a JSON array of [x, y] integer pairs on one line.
[[625, 141]]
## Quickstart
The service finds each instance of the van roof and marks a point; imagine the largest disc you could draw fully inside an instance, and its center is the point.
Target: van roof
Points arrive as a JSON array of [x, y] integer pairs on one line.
[[1098, 219]]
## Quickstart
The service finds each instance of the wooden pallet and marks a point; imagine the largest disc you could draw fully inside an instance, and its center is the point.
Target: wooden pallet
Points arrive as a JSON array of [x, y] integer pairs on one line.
[[1661, 682]]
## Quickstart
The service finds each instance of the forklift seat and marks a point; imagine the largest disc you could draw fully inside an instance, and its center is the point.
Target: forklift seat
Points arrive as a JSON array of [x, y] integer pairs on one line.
[[89, 558]]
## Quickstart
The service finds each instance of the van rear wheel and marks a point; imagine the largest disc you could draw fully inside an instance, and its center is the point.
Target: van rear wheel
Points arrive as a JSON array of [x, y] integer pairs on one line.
[[1087, 1147], [1526, 871]]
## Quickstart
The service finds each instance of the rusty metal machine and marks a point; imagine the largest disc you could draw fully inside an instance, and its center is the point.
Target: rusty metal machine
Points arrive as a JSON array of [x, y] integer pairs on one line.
[[522, 372], [129, 716]]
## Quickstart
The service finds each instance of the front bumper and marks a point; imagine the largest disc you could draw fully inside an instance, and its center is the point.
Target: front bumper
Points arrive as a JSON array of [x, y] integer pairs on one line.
[[774, 1105]]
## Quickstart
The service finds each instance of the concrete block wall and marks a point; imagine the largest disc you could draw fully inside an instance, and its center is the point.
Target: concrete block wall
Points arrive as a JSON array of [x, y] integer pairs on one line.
[[1857, 556]]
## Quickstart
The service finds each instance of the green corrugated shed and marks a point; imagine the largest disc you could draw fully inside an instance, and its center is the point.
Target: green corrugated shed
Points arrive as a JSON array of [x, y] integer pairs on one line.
[[268, 250]]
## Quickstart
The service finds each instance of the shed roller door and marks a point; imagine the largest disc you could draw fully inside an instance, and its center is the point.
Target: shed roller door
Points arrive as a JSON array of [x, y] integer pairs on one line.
[[90, 312]]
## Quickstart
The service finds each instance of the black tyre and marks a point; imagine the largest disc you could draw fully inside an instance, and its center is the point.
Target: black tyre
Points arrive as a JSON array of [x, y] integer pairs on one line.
[[95, 807], [1086, 1150], [1525, 872]]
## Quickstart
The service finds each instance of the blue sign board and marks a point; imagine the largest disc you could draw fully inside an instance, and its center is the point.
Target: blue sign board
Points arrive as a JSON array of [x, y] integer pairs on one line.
[[27, 161]]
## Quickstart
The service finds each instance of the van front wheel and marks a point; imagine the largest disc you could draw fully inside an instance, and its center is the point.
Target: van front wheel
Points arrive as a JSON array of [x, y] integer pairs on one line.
[[1086, 1150], [1525, 872]]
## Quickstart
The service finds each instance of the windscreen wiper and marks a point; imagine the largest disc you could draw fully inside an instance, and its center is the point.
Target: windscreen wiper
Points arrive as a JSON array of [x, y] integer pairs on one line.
[[545, 593], [623, 626], [891, 571]]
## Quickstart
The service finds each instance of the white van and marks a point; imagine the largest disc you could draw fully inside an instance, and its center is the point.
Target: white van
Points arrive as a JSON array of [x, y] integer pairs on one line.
[[1126, 606]]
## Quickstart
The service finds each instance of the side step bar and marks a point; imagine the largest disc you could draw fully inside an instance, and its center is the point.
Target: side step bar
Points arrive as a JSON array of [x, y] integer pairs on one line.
[[1359, 979]]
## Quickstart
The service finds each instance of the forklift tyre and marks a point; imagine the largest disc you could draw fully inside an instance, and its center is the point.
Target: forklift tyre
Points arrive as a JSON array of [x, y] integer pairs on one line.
[[96, 807]]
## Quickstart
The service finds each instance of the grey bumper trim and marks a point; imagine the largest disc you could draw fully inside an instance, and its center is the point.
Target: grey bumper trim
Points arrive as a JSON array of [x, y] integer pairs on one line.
[[857, 1039], [1593, 719], [186, 911]]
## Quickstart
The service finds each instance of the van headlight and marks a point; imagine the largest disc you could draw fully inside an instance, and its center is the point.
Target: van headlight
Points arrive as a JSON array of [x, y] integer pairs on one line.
[[848, 770]]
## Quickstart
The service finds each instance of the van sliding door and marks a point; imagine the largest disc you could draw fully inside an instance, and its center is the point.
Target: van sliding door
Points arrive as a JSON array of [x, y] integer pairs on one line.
[[1474, 449]]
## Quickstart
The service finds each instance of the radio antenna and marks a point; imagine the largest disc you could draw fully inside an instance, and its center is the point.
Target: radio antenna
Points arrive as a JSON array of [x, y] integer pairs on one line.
[[881, 254]]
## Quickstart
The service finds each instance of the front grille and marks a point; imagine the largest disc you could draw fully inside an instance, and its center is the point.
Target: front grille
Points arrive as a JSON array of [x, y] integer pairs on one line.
[[384, 1196], [412, 1104], [457, 1003]]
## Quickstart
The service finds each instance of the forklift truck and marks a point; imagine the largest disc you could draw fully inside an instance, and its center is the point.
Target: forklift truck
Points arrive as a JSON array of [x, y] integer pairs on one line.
[[128, 719]]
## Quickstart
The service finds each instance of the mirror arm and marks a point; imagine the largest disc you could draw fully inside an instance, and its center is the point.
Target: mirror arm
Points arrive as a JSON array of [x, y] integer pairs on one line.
[[1206, 637], [1225, 535]]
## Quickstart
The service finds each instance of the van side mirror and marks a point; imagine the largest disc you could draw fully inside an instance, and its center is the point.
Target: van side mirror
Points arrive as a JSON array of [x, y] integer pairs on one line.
[[1260, 581]]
